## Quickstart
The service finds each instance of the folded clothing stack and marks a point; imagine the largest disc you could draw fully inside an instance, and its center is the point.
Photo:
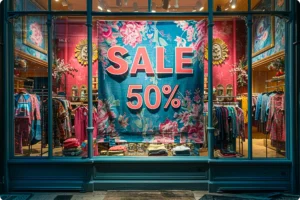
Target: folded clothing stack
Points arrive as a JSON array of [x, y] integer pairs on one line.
[[118, 150], [72, 147], [157, 150], [181, 151]]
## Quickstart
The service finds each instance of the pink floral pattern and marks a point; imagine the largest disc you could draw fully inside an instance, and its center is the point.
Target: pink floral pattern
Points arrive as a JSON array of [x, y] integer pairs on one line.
[[36, 34], [131, 32]]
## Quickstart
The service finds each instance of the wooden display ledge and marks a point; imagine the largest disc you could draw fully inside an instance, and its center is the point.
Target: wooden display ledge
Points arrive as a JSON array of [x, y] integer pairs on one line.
[[262, 64], [36, 66]]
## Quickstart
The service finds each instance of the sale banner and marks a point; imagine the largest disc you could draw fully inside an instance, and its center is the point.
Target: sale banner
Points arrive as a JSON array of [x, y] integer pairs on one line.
[[151, 81]]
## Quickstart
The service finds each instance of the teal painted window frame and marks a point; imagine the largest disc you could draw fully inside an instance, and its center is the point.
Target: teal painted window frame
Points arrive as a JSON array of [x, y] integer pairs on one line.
[[89, 13]]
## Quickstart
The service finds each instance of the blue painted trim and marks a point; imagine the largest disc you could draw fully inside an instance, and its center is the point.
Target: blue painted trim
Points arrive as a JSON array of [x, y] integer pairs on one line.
[[50, 103], [146, 14], [6, 142], [116, 159], [292, 136], [90, 127], [149, 5], [210, 82], [249, 62]]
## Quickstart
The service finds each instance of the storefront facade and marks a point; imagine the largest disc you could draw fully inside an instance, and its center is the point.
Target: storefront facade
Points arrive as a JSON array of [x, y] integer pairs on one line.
[[150, 95]]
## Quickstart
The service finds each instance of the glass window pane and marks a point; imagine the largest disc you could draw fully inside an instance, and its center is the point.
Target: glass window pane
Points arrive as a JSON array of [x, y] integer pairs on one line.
[[152, 108], [29, 5], [69, 5], [230, 83], [230, 5], [69, 86], [30, 85], [269, 5], [120, 6], [269, 129]]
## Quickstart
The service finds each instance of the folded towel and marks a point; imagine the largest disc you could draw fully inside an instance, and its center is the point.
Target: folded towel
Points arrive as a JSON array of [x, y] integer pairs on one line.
[[181, 148], [156, 147], [118, 148]]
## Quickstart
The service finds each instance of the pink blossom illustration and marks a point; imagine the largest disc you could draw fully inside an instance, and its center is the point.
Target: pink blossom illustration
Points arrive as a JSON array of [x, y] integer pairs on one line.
[[131, 32], [36, 34], [168, 127]]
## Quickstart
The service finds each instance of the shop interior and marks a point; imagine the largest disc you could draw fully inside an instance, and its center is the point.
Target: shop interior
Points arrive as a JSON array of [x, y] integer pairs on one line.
[[70, 83]]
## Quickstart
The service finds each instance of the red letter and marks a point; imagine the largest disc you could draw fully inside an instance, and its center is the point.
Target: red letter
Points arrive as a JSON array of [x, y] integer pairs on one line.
[[157, 97], [160, 62], [180, 60], [138, 97], [141, 54], [123, 65]]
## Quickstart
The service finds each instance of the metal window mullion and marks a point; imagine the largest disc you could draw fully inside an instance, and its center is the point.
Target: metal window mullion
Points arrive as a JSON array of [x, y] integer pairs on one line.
[[50, 103], [90, 127], [149, 6], [210, 82], [7, 115], [249, 62]]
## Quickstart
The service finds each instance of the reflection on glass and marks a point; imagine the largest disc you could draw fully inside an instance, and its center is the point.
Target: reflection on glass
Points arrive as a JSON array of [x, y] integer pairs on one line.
[[157, 6], [229, 83], [30, 85], [69, 86], [29, 5], [69, 5], [230, 5]]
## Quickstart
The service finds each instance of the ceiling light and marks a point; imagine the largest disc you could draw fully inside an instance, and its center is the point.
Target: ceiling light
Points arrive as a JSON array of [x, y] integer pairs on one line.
[[233, 4], [135, 7], [57, 0], [108, 10], [176, 5], [199, 6], [100, 8], [153, 7], [64, 3]]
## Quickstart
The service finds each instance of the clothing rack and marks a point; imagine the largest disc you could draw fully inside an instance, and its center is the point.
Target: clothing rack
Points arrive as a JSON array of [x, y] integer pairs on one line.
[[42, 93], [234, 103]]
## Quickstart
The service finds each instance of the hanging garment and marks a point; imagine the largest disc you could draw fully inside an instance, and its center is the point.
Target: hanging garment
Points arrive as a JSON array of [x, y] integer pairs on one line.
[[276, 118], [245, 108], [22, 133], [81, 123]]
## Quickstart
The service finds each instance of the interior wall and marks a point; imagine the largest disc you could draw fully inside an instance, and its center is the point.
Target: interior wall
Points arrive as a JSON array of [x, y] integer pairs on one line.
[[68, 34]]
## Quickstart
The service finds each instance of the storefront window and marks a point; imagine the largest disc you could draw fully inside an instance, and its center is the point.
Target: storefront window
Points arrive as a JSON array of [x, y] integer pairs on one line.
[[269, 120], [30, 85], [230, 84], [70, 86], [149, 81]]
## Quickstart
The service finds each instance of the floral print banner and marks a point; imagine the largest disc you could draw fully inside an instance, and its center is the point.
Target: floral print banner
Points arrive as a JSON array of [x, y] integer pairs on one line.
[[173, 110]]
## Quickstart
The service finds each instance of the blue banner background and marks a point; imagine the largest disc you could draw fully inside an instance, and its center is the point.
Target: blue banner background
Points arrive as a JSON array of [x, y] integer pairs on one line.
[[161, 125]]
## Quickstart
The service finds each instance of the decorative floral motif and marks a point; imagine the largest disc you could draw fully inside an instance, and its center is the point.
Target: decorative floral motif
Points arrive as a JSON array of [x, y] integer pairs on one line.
[[36, 34], [61, 68], [168, 127], [106, 116], [131, 32], [242, 76]]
